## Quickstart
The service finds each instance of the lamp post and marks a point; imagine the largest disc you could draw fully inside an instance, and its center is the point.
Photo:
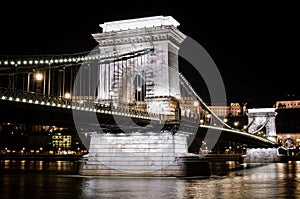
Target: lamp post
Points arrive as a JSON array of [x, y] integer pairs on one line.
[[111, 93], [208, 116], [38, 77], [138, 89]]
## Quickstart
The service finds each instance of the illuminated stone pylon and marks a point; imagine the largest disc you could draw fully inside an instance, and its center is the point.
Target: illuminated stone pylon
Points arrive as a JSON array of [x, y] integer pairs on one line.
[[143, 72], [262, 117], [148, 70]]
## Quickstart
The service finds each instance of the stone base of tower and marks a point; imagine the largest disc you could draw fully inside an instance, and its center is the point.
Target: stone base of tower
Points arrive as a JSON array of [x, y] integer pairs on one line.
[[162, 105], [140, 155], [262, 155]]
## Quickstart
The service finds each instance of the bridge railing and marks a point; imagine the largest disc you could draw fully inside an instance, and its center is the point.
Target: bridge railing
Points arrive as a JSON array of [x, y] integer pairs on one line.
[[75, 103], [32, 97]]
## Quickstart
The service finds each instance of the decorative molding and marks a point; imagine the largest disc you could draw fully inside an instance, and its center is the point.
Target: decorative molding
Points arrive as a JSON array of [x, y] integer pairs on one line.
[[143, 35]]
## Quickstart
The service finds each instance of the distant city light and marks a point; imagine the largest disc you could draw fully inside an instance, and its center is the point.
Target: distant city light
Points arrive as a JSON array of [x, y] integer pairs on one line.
[[236, 123]]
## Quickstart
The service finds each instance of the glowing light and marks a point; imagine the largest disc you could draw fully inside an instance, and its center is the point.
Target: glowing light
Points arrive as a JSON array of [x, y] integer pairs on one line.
[[38, 76], [67, 95], [111, 93], [196, 103], [236, 124]]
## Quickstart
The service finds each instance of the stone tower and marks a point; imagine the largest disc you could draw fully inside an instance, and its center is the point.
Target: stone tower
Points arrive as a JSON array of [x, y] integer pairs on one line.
[[262, 117], [144, 72]]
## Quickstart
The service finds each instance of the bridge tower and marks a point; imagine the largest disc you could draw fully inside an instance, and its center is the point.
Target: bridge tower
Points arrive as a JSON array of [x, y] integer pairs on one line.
[[141, 73], [147, 75], [260, 118]]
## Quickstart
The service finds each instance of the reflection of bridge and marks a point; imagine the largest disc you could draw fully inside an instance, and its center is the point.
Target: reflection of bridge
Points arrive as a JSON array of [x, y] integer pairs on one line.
[[133, 74]]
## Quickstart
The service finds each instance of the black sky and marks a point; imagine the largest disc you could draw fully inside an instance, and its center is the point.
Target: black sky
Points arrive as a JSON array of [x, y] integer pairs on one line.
[[255, 47]]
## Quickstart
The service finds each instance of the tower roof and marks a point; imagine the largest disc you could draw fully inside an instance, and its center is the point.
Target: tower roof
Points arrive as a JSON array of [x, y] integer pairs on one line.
[[144, 22]]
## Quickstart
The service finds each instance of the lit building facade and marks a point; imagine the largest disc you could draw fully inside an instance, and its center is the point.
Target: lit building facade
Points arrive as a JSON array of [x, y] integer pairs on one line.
[[287, 123], [287, 104], [234, 109], [62, 142]]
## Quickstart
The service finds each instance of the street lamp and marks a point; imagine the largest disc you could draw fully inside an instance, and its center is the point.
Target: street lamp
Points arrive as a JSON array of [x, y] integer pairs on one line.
[[208, 117], [236, 124], [39, 76], [67, 95], [201, 121], [138, 89]]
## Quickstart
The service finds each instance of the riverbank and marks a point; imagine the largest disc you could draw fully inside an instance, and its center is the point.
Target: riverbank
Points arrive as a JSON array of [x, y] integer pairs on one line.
[[49, 157]]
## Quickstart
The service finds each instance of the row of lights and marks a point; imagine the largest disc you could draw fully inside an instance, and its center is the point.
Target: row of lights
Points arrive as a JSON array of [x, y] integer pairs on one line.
[[60, 60], [68, 96], [51, 61]]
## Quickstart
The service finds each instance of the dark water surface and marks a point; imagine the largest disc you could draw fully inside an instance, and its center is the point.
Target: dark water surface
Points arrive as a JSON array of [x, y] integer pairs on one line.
[[60, 179]]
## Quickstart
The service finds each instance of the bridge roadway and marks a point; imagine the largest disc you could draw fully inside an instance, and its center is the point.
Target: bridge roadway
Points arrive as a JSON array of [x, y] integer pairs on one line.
[[36, 114]]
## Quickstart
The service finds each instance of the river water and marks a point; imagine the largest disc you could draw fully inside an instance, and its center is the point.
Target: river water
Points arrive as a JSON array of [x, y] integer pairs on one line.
[[60, 179]]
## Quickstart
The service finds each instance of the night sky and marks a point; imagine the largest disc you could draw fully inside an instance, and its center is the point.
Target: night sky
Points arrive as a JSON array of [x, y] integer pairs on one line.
[[255, 48]]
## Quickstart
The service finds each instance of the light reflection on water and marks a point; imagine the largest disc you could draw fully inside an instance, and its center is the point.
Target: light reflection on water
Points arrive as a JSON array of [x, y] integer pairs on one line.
[[38, 179]]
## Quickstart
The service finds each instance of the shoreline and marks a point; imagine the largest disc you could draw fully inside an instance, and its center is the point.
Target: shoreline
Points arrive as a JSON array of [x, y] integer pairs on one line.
[[39, 157]]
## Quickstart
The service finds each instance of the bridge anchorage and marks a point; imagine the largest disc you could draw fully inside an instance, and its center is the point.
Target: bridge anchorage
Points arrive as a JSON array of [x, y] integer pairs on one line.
[[133, 109]]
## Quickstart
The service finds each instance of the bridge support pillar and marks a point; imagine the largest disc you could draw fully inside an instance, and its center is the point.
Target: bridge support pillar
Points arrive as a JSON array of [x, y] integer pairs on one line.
[[260, 119], [136, 155], [262, 155]]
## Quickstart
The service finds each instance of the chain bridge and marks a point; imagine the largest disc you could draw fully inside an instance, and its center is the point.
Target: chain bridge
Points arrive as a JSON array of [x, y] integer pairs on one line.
[[124, 97]]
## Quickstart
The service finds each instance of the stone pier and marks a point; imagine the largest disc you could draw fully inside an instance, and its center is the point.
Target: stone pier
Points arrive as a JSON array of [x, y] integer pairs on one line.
[[137, 154], [262, 155]]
